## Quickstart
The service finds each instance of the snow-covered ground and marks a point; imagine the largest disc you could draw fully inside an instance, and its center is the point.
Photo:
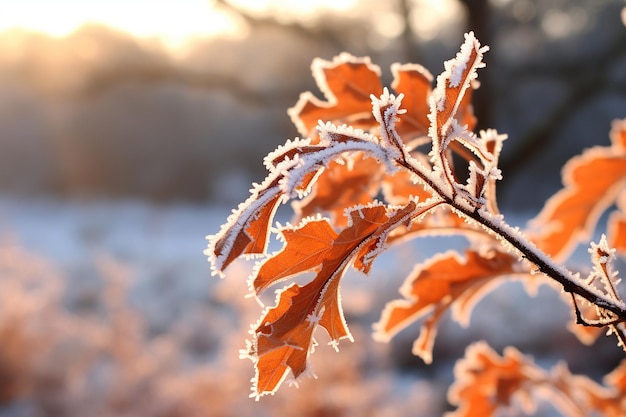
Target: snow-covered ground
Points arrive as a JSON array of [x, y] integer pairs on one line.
[[142, 328]]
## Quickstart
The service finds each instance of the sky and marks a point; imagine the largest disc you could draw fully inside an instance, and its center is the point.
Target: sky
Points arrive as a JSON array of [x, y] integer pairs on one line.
[[174, 22]]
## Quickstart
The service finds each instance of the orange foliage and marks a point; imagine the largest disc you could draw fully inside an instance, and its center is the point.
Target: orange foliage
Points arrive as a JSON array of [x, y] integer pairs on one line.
[[340, 170], [347, 83], [486, 383], [250, 233], [432, 288], [593, 181], [284, 336], [358, 179]]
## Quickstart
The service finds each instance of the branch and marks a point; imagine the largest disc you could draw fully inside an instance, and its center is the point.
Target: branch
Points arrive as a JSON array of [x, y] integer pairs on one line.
[[513, 238]]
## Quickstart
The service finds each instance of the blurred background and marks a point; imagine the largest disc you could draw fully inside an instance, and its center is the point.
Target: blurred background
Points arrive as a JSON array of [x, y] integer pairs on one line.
[[129, 129]]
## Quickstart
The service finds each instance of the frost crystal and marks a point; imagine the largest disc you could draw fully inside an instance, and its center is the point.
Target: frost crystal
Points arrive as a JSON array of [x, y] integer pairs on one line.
[[601, 252], [458, 65], [314, 318]]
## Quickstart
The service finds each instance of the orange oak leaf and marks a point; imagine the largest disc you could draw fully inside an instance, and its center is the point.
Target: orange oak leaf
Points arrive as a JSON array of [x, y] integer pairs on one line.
[[246, 230], [399, 187], [346, 83], [445, 281], [415, 82], [452, 86], [283, 338], [593, 181], [357, 178], [486, 381]]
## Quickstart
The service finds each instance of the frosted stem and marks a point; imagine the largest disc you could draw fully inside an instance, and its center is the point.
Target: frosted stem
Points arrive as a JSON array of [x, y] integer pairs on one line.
[[513, 238]]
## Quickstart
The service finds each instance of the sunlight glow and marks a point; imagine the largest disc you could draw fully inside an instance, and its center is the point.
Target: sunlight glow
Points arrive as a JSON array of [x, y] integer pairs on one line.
[[557, 23], [433, 18], [174, 22], [293, 9]]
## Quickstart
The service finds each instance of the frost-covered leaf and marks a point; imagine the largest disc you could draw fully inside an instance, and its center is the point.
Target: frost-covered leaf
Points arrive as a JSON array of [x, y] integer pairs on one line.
[[401, 186], [452, 84], [593, 181], [450, 136], [346, 83], [247, 229], [283, 337], [357, 177], [445, 281], [292, 174], [486, 382], [414, 82]]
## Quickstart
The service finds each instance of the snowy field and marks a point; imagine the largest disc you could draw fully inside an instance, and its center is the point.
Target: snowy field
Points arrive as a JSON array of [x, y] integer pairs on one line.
[[108, 308]]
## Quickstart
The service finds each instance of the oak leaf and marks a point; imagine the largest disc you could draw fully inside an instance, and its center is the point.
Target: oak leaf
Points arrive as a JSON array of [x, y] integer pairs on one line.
[[346, 83], [247, 229], [593, 181], [486, 382], [415, 83], [283, 337], [452, 85], [443, 282], [358, 179]]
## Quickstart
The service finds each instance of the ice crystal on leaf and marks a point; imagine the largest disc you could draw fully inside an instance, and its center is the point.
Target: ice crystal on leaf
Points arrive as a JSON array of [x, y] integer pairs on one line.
[[366, 142]]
